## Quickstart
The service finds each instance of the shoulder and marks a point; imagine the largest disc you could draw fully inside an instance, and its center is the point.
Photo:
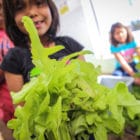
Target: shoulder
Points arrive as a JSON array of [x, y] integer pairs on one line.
[[70, 46], [69, 43], [132, 44], [113, 48], [11, 53], [17, 52], [135, 43], [64, 38], [17, 61], [15, 56], [122, 47]]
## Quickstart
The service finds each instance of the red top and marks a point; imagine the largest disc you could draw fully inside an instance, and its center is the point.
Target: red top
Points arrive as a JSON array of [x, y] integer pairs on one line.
[[6, 106]]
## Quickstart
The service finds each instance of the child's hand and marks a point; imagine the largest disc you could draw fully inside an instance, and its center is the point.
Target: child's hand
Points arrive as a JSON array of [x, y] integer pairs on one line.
[[137, 81]]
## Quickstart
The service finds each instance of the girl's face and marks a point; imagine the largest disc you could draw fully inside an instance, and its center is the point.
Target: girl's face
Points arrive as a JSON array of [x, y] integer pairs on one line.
[[37, 10], [120, 35]]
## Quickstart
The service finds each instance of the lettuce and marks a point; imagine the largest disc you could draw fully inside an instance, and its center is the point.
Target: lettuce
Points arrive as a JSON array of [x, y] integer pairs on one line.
[[65, 102]]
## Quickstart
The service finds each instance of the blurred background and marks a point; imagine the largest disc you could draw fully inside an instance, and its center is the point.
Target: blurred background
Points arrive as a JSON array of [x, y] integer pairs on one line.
[[89, 22]]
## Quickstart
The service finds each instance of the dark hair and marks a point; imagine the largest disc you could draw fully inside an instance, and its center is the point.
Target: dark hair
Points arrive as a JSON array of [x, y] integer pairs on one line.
[[19, 38], [120, 25]]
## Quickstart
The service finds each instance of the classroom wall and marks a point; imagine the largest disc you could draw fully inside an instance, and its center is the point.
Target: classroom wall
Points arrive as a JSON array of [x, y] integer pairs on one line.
[[77, 24]]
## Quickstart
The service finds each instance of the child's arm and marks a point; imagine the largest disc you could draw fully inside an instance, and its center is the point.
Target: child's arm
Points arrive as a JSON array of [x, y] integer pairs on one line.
[[126, 67], [14, 81], [81, 57], [124, 64]]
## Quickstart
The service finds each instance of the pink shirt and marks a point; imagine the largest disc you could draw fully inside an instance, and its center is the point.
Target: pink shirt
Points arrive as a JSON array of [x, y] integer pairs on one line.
[[5, 44], [128, 54]]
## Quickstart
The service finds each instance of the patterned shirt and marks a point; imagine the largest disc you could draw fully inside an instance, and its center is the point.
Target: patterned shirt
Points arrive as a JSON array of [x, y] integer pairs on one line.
[[126, 50], [5, 44]]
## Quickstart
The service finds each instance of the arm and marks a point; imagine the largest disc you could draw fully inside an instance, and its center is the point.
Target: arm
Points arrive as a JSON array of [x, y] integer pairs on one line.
[[81, 57], [14, 81], [127, 68], [124, 64]]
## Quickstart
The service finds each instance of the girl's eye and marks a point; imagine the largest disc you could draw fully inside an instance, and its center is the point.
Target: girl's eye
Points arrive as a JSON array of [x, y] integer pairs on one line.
[[19, 6], [40, 2]]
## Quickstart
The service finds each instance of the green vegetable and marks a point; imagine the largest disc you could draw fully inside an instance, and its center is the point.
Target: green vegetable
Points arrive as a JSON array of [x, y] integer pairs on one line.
[[65, 102]]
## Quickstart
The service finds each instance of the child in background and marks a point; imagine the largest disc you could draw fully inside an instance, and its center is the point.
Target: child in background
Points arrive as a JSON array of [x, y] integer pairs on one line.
[[6, 106], [124, 48], [17, 63]]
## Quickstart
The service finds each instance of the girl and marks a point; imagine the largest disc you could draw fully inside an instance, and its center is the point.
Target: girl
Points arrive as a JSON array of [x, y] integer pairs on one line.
[[6, 105], [124, 47], [17, 64]]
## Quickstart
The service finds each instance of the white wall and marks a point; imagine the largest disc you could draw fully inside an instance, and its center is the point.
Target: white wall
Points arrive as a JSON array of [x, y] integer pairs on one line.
[[111, 11], [74, 24], [80, 23]]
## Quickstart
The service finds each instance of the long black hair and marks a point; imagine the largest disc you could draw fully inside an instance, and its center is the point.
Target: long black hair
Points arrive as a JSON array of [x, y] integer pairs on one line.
[[20, 39], [112, 31]]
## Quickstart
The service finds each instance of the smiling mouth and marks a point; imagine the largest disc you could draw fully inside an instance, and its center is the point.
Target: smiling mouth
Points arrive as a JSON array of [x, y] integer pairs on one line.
[[38, 24]]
